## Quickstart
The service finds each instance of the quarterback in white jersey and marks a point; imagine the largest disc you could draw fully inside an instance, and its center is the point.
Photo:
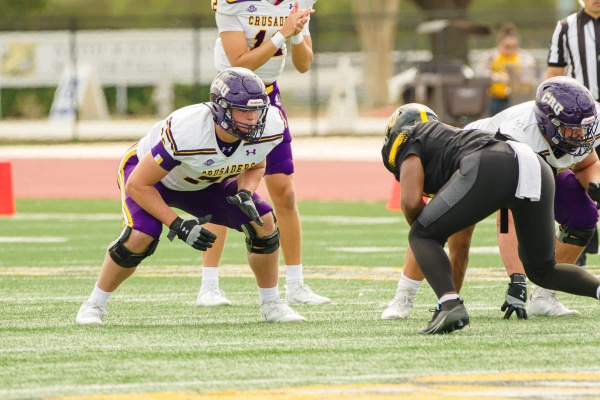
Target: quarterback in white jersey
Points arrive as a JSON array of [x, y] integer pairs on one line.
[[206, 160], [561, 125], [254, 34], [260, 21]]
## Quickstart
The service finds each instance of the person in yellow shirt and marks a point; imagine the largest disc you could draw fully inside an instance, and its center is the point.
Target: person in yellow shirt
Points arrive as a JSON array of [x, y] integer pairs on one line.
[[510, 69]]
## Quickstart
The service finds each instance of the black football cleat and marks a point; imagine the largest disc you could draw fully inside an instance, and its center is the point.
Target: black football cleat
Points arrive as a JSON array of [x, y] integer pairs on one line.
[[455, 317]]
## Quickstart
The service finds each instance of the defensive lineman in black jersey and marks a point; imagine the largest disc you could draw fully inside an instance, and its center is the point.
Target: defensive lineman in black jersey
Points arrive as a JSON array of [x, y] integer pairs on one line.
[[472, 173]]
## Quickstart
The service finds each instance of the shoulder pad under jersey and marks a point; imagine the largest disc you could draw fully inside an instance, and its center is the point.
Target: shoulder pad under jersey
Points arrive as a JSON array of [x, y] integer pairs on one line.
[[232, 7]]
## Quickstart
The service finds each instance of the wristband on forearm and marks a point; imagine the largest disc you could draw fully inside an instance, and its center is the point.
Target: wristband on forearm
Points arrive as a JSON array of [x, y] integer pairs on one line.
[[297, 39], [278, 40]]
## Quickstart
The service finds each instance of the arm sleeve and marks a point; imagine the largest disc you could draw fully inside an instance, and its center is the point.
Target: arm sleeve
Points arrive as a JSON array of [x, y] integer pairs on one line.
[[163, 158]]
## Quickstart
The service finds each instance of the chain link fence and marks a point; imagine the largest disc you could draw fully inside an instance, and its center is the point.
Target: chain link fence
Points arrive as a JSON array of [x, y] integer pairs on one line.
[[140, 67]]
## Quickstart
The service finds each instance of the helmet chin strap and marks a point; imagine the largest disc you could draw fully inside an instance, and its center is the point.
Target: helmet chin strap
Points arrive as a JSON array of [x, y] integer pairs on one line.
[[220, 132], [558, 153], [562, 148]]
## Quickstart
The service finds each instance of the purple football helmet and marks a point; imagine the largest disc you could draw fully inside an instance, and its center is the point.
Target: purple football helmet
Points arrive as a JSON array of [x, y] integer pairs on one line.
[[239, 88], [562, 104]]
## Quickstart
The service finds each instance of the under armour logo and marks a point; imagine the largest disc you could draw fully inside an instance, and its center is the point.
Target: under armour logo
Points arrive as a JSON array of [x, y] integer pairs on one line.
[[226, 149], [253, 152]]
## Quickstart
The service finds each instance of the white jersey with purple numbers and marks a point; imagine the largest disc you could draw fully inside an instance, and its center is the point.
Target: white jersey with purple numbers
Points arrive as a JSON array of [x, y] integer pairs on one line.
[[185, 144], [259, 20], [519, 122]]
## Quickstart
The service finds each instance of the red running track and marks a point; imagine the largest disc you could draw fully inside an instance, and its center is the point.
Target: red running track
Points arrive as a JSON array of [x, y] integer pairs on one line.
[[96, 179]]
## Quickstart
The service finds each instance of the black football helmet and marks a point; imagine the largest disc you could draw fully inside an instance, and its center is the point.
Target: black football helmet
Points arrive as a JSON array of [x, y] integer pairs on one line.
[[396, 134], [408, 115]]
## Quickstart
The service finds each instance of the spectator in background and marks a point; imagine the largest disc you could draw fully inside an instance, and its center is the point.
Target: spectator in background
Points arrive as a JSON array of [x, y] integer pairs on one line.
[[511, 69], [574, 52]]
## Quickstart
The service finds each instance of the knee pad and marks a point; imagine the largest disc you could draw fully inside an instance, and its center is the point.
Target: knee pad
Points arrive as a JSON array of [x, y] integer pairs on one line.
[[578, 237], [257, 245], [124, 257]]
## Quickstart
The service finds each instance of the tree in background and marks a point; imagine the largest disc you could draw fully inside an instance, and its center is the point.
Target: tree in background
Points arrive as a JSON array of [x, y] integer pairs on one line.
[[376, 31]]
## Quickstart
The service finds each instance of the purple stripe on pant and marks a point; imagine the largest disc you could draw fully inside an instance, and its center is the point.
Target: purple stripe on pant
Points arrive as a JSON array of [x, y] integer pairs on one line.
[[572, 205], [197, 203], [280, 160]]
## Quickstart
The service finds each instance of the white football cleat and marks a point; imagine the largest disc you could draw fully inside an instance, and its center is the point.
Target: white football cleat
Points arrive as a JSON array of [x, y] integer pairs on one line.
[[212, 296], [91, 313], [401, 306], [543, 302], [278, 311], [300, 293]]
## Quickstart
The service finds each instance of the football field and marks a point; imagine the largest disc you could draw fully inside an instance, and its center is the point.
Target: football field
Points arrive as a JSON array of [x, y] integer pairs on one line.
[[157, 344]]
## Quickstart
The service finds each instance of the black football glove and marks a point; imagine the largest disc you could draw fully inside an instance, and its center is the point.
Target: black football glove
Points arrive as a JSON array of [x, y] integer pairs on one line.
[[594, 192], [243, 199], [192, 232], [516, 296]]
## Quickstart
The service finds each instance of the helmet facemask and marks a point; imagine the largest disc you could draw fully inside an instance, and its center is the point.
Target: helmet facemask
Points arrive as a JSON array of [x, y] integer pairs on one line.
[[567, 140], [242, 130]]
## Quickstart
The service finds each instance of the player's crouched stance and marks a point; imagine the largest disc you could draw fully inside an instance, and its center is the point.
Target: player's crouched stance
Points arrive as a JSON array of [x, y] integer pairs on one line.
[[470, 174], [205, 159]]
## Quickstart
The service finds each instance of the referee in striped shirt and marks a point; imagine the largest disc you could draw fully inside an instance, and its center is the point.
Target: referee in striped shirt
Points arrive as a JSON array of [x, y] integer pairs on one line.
[[575, 51], [575, 47]]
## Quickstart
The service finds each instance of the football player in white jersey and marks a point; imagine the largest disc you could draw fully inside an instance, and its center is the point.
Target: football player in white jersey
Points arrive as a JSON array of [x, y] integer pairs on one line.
[[253, 34], [562, 108], [206, 159]]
